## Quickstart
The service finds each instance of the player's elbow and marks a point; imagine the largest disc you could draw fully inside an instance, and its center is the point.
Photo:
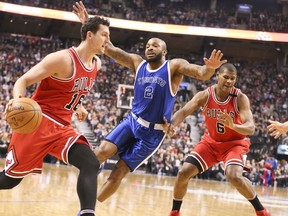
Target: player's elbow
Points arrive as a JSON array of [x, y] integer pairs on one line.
[[251, 130]]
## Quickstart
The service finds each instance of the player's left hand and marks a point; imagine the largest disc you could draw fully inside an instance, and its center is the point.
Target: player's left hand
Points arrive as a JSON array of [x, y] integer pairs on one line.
[[80, 11], [81, 113], [214, 60], [168, 128], [225, 119]]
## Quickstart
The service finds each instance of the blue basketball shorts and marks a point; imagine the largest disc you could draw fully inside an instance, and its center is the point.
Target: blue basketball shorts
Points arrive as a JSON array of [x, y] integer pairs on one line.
[[136, 143]]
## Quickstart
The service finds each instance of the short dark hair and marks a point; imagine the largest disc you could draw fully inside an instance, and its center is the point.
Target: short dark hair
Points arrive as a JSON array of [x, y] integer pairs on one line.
[[230, 67], [92, 24]]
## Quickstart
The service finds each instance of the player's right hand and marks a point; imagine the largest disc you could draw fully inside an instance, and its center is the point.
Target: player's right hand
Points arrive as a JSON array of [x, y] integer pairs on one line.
[[80, 11], [168, 128], [8, 107], [276, 129]]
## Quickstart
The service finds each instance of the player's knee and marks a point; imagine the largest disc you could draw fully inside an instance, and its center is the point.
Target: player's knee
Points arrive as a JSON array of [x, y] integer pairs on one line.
[[185, 174], [8, 182], [92, 165], [234, 177], [105, 150]]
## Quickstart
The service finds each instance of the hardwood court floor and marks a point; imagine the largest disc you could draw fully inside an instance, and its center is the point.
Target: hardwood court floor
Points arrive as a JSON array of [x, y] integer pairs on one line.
[[53, 194]]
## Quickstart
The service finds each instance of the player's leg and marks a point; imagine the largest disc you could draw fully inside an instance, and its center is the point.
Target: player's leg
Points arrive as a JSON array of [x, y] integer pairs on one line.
[[105, 150], [82, 157], [115, 141], [234, 160], [234, 174], [7, 182], [114, 180], [188, 171], [133, 153], [119, 139], [200, 159]]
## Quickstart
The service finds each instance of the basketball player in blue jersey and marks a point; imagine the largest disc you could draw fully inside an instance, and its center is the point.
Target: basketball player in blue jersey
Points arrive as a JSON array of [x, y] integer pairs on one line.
[[138, 136]]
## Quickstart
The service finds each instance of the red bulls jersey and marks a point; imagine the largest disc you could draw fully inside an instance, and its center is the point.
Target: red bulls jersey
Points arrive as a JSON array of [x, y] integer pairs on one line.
[[59, 98], [216, 129]]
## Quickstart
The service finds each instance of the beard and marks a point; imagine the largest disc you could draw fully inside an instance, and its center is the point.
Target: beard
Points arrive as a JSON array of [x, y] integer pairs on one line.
[[154, 59]]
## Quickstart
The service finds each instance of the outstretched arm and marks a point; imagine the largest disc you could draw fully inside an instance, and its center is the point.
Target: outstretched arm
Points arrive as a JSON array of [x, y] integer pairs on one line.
[[194, 104], [204, 72], [277, 129], [80, 11], [128, 60]]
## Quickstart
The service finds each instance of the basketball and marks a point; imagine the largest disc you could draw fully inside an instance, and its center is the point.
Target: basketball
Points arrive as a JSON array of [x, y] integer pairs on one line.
[[24, 116]]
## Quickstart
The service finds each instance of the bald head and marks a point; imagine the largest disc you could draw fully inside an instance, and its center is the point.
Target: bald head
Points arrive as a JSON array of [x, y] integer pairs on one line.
[[158, 41]]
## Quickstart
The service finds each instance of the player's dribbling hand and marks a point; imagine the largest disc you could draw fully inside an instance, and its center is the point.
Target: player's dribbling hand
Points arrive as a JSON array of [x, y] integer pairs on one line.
[[8, 107], [168, 128], [80, 11]]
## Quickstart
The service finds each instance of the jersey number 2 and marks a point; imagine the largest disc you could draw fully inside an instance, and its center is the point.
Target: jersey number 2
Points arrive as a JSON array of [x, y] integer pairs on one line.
[[148, 93]]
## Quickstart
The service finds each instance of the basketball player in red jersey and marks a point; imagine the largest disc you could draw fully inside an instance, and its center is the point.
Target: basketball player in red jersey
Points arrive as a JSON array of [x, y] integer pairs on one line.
[[229, 120], [65, 79]]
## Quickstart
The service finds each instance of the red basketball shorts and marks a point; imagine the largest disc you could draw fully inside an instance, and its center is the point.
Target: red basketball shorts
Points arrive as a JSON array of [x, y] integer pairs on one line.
[[27, 151], [209, 152]]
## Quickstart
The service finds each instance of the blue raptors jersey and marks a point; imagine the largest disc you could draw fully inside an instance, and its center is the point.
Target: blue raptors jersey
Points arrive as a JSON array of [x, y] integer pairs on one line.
[[153, 96]]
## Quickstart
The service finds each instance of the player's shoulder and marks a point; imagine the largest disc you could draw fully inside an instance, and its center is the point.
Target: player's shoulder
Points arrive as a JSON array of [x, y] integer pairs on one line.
[[177, 61], [204, 92], [242, 97], [57, 58], [241, 94], [60, 54], [202, 96]]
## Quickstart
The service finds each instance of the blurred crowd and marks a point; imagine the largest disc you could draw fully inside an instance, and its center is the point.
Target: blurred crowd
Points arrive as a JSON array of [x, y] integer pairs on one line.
[[267, 16], [264, 83]]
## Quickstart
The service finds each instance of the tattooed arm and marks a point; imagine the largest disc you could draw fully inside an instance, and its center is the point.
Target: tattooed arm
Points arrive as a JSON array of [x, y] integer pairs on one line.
[[128, 60]]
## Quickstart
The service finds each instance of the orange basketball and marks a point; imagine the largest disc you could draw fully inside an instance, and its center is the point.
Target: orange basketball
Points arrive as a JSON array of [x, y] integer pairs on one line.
[[24, 116]]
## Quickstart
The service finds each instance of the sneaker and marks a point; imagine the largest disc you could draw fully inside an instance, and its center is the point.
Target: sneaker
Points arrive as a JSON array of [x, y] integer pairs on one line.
[[174, 213], [263, 212]]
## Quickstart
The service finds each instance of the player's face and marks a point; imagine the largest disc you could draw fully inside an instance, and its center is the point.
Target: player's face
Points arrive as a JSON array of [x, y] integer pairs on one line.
[[154, 50], [226, 80], [100, 39]]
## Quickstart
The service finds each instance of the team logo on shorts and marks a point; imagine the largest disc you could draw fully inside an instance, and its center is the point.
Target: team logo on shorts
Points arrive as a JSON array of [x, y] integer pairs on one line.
[[9, 160]]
